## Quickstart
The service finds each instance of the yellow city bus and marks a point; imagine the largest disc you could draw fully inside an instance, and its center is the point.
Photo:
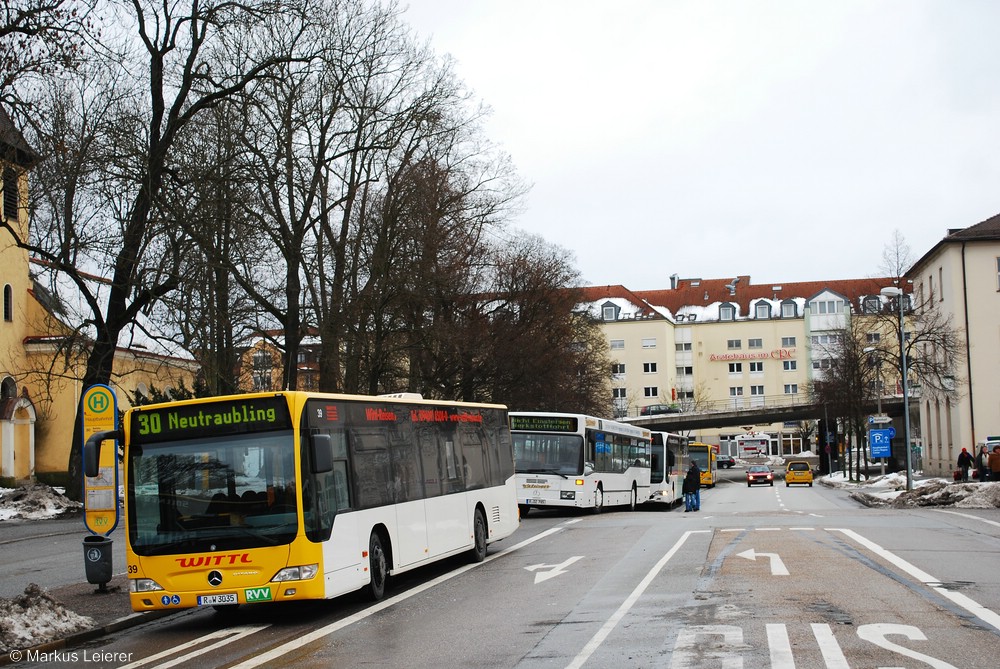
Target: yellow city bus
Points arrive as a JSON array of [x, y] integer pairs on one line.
[[704, 455], [293, 495]]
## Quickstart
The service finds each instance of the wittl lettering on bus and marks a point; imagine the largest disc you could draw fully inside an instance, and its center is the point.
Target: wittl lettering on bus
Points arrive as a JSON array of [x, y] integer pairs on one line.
[[213, 560]]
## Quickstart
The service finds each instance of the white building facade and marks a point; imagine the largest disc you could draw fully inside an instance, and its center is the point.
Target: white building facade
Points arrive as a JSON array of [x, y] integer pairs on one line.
[[961, 276]]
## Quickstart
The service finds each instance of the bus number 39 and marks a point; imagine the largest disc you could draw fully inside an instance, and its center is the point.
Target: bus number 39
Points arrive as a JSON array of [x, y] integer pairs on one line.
[[149, 423]]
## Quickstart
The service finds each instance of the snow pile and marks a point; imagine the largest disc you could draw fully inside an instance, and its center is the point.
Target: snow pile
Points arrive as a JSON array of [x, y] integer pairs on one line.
[[890, 490], [34, 502], [34, 618]]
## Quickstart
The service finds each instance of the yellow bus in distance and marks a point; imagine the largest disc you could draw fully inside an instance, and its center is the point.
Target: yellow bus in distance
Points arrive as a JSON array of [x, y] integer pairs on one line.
[[704, 455]]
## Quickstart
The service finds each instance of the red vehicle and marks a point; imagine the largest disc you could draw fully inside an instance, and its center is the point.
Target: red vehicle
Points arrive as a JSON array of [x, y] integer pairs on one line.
[[759, 474]]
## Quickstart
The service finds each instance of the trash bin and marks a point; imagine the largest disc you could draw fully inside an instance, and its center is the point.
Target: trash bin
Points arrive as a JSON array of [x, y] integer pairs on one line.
[[97, 559]]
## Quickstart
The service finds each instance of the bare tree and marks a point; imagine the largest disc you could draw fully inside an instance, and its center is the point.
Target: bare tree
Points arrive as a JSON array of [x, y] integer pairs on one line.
[[538, 351], [933, 344], [849, 386], [896, 257], [168, 74]]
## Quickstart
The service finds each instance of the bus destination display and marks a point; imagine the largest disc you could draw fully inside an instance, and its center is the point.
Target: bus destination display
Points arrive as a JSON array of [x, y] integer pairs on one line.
[[194, 421], [543, 423]]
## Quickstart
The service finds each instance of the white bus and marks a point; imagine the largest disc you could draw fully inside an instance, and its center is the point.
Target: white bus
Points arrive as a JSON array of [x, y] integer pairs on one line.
[[668, 465], [564, 459], [283, 496]]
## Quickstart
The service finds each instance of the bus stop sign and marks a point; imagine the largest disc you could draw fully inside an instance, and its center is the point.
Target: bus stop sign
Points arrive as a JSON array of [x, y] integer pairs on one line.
[[100, 493], [880, 442]]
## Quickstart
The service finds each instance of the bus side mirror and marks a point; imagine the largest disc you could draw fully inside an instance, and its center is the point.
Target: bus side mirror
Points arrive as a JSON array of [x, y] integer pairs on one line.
[[92, 451], [320, 453]]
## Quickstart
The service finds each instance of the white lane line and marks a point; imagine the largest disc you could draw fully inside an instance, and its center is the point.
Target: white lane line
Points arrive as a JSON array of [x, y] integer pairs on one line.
[[833, 656], [988, 616], [629, 602], [226, 636], [278, 652], [968, 515], [780, 646]]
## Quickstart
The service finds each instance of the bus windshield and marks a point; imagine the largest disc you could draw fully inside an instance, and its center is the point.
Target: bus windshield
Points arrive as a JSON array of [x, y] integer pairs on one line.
[[548, 454], [222, 493], [701, 457]]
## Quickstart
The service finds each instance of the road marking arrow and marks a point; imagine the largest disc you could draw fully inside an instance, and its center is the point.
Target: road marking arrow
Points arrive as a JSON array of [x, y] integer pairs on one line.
[[554, 569], [777, 566]]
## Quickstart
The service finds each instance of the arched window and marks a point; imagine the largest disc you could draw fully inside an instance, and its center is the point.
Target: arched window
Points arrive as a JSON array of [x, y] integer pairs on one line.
[[8, 388], [8, 303]]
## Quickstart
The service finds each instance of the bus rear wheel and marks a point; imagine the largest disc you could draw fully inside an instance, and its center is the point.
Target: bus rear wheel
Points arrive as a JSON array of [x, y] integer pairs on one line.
[[633, 500], [378, 568], [478, 552]]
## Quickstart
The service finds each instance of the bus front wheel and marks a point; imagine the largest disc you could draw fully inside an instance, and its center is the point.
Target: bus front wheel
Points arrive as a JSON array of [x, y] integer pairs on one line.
[[478, 552], [633, 501], [598, 500], [378, 568]]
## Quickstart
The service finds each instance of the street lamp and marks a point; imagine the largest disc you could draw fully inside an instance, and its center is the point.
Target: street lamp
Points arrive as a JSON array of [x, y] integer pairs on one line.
[[897, 292]]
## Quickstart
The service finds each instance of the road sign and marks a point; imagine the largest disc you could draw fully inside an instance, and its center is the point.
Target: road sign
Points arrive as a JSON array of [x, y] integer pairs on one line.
[[880, 442], [878, 420]]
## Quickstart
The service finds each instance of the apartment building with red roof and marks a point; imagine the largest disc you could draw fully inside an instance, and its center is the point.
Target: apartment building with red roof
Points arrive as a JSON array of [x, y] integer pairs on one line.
[[726, 343]]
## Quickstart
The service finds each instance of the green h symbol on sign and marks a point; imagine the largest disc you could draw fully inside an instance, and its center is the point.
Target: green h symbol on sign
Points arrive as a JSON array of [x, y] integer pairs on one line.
[[98, 402]]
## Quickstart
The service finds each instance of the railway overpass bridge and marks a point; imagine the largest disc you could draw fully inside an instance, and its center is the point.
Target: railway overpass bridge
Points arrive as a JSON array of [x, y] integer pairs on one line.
[[728, 414]]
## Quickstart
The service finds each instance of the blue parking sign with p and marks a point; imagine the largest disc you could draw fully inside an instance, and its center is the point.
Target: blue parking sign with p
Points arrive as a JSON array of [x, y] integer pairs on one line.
[[880, 442]]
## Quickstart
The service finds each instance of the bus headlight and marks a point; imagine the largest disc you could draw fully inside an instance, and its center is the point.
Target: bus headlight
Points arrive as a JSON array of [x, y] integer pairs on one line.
[[301, 573], [567, 494], [143, 585]]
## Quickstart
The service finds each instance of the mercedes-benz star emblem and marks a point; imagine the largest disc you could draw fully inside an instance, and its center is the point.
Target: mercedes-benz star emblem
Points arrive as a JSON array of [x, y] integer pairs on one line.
[[214, 578]]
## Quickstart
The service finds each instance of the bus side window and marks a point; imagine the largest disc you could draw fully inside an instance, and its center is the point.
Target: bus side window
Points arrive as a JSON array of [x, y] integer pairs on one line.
[[341, 493], [474, 458], [431, 463], [453, 467], [372, 467]]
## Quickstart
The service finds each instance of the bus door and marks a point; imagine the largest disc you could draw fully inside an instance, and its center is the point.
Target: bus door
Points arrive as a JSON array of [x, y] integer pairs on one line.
[[326, 505], [448, 524]]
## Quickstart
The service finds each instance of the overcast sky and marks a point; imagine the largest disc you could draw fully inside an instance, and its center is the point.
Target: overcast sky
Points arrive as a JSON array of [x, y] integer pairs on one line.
[[784, 139]]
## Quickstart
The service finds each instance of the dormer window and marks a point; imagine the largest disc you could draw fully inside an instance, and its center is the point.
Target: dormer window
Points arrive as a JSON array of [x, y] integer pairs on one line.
[[871, 305], [609, 311], [763, 310], [727, 312], [788, 310]]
